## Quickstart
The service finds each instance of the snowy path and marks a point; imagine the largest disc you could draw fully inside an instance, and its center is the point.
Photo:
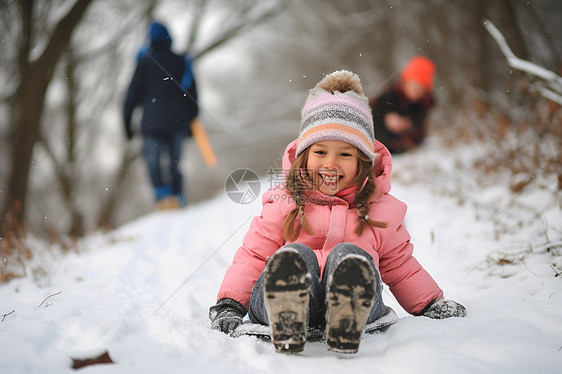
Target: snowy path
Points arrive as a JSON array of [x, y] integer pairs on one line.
[[143, 292]]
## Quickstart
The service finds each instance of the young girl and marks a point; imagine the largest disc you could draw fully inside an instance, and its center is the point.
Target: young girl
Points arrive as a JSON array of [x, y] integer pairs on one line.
[[324, 242]]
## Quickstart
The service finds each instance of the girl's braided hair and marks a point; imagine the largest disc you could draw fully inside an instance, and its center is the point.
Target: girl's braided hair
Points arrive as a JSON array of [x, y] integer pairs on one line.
[[297, 182]]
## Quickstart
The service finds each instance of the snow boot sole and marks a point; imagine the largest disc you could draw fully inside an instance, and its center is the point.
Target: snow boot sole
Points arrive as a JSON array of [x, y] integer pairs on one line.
[[350, 297], [287, 293]]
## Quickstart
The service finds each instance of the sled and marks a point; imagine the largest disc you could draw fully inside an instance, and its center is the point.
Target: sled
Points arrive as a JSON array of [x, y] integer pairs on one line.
[[203, 143], [314, 334]]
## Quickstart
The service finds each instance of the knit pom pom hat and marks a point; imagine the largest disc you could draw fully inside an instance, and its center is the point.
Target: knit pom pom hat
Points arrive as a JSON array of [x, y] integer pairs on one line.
[[337, 109], [420, 69]]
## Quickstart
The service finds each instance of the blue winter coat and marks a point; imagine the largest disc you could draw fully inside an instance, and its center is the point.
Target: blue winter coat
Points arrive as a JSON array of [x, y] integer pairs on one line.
[[164, 85]]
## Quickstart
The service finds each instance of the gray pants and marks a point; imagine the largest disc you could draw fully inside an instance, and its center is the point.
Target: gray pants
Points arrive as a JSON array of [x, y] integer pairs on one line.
[[317, 306]]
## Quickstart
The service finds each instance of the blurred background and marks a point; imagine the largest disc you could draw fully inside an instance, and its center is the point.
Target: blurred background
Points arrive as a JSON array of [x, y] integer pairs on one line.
[[67, 169]]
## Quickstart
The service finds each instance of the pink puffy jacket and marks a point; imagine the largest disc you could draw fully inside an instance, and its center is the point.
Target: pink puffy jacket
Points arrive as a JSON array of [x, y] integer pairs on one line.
[[333, 220]]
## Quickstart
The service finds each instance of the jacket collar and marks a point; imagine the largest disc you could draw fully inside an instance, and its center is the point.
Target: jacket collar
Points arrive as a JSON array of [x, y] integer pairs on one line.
[[344, 197]]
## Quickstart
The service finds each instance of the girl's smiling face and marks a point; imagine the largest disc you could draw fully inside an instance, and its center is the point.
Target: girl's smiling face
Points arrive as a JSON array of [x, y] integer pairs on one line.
[[332, 165]]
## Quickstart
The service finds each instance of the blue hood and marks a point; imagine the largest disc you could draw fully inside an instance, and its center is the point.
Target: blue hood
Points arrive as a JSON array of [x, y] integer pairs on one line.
[[158, 34]]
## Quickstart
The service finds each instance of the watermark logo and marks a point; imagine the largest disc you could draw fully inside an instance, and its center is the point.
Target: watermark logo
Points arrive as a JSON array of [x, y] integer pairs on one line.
[[242, 186]]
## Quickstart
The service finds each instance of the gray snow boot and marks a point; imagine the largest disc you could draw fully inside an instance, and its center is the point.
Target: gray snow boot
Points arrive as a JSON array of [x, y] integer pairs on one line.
[[350, 296], [287, 293]]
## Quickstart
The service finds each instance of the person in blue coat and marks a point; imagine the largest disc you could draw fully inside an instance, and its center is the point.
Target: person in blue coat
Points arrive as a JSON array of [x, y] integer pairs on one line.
[[164, 86]]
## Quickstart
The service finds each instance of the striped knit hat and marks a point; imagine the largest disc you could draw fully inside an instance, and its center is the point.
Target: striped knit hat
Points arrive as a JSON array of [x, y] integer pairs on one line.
[[337, 109]]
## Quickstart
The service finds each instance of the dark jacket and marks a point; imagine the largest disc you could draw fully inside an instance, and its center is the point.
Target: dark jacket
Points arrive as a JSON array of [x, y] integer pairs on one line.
[[164, 85], [394, 100]]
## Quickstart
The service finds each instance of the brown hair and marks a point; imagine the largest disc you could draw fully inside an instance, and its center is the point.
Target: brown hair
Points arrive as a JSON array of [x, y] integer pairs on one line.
[[362, 195], [295, 184]]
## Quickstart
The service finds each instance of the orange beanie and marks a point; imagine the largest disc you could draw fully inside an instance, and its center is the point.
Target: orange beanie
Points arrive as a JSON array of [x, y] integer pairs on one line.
[[420, 69]]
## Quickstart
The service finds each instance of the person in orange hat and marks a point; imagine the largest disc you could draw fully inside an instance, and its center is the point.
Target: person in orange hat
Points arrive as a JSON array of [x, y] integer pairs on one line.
[[400, 112]]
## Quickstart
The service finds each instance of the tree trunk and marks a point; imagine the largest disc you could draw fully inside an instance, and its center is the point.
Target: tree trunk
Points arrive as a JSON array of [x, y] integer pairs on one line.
[[28, 102]]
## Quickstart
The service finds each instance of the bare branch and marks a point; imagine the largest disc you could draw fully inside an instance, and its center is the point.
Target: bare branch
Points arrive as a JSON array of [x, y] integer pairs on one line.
[[62, 33], [242, 26], [47, 298], [196, 24], [553, 80], [7, 314]]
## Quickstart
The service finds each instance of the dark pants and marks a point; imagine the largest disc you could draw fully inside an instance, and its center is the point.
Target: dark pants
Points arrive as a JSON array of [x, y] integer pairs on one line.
[[162, 156], [317, 306]]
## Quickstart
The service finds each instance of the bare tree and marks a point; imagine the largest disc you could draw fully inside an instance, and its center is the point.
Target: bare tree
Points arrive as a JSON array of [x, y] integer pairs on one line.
[[34, 73], [59, 143], [74, 137]]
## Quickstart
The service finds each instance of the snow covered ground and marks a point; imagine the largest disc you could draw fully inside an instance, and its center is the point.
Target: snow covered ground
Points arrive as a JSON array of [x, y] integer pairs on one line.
[[142, 292]]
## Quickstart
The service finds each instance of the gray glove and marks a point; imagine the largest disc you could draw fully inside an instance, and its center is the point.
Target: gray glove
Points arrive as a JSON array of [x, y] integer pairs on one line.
[[443, 308], [226, 315]]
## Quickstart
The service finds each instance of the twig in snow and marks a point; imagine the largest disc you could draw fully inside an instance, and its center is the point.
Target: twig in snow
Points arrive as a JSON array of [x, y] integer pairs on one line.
[[550, 246], [6, 315], [47, 298], [558, 273]]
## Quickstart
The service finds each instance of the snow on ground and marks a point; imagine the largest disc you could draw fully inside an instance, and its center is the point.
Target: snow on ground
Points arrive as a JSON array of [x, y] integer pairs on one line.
[[142, 292]]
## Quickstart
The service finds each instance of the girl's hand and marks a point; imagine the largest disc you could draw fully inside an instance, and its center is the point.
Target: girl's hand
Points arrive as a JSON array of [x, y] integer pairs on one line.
[[443, 308], [226, 315]]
